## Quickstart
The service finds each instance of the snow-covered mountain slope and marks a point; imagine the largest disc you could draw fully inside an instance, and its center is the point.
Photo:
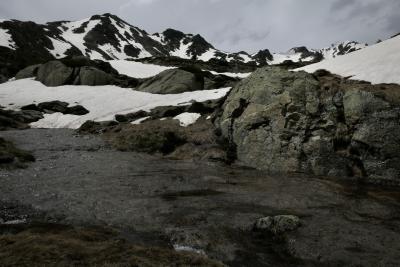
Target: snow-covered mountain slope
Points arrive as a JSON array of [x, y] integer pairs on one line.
[[379, 63], [340, 49], [108, 37], [103, 102]]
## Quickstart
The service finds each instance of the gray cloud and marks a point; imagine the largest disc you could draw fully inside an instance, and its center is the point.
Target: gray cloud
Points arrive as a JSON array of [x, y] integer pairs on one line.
[[234, 25]]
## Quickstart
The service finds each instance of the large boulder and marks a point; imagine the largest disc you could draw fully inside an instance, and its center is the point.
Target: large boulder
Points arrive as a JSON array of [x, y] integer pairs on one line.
[[93, 77], [54, 73], [28, 72], [173, 81], [284, 122]]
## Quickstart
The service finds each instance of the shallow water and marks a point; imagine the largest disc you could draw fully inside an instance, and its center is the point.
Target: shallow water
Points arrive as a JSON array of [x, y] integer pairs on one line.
[[204, 206]]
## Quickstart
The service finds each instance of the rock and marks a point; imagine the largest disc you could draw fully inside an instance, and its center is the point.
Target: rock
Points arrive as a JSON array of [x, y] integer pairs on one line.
[[93, 77], [54, 73], [166, 137], [94, 127], [277, 225], [3, 78], [172, 81], [28, 116], [206, 107], [53, 106], [131, 116], [152, 137], [285, 122], [28, 72], [30, 107], [10, 119], [76, 110], [166, 111]]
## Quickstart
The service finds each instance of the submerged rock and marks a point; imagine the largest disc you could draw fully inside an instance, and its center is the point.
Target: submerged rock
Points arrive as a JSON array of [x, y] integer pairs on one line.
[[277, 224]]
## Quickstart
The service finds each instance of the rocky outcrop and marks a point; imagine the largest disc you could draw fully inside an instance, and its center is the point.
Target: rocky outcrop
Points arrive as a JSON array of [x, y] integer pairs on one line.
[[286, 122]]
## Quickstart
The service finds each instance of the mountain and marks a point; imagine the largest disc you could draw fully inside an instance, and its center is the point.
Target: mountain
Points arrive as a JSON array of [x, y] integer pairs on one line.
[[107, 37], [377, 63], [340, 49]]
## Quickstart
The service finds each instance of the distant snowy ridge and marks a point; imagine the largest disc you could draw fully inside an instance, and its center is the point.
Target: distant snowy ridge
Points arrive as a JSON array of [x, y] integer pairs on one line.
[[108, 37], [379, 63]]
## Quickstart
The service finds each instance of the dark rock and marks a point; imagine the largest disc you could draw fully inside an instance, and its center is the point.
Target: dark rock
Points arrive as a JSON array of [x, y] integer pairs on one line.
[[166, 111], [28, 116], [53, 106], [30, 107], [77, 110], [203, 107], [131, 116], [263, 56], [10, 119]]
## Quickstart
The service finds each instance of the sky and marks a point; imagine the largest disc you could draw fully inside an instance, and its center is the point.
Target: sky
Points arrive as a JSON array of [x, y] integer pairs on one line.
[[234, 25]]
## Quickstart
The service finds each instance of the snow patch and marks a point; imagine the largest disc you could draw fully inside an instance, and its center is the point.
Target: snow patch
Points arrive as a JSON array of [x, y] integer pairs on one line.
[[377, 64], [103, 102], [186, 119], [77, 39], [206, 56], [233, 75], [6, 39], [188, 249], [182, 51], [60, 48], [137, 69], [139, 121]]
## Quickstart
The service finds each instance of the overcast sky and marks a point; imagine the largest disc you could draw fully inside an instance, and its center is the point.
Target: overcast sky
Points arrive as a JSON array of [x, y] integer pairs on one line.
[[234, 25]]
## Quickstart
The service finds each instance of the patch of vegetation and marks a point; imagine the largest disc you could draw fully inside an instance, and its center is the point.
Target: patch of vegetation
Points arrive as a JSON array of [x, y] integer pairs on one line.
[[58, 245], [12, 156]]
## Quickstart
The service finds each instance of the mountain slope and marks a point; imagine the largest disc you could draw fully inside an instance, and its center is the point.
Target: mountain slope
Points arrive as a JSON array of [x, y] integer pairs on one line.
[[107, 37], [378, 63]]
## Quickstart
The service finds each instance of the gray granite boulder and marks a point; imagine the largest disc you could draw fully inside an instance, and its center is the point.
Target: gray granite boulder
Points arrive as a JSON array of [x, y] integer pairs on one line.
[[287, 122]]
